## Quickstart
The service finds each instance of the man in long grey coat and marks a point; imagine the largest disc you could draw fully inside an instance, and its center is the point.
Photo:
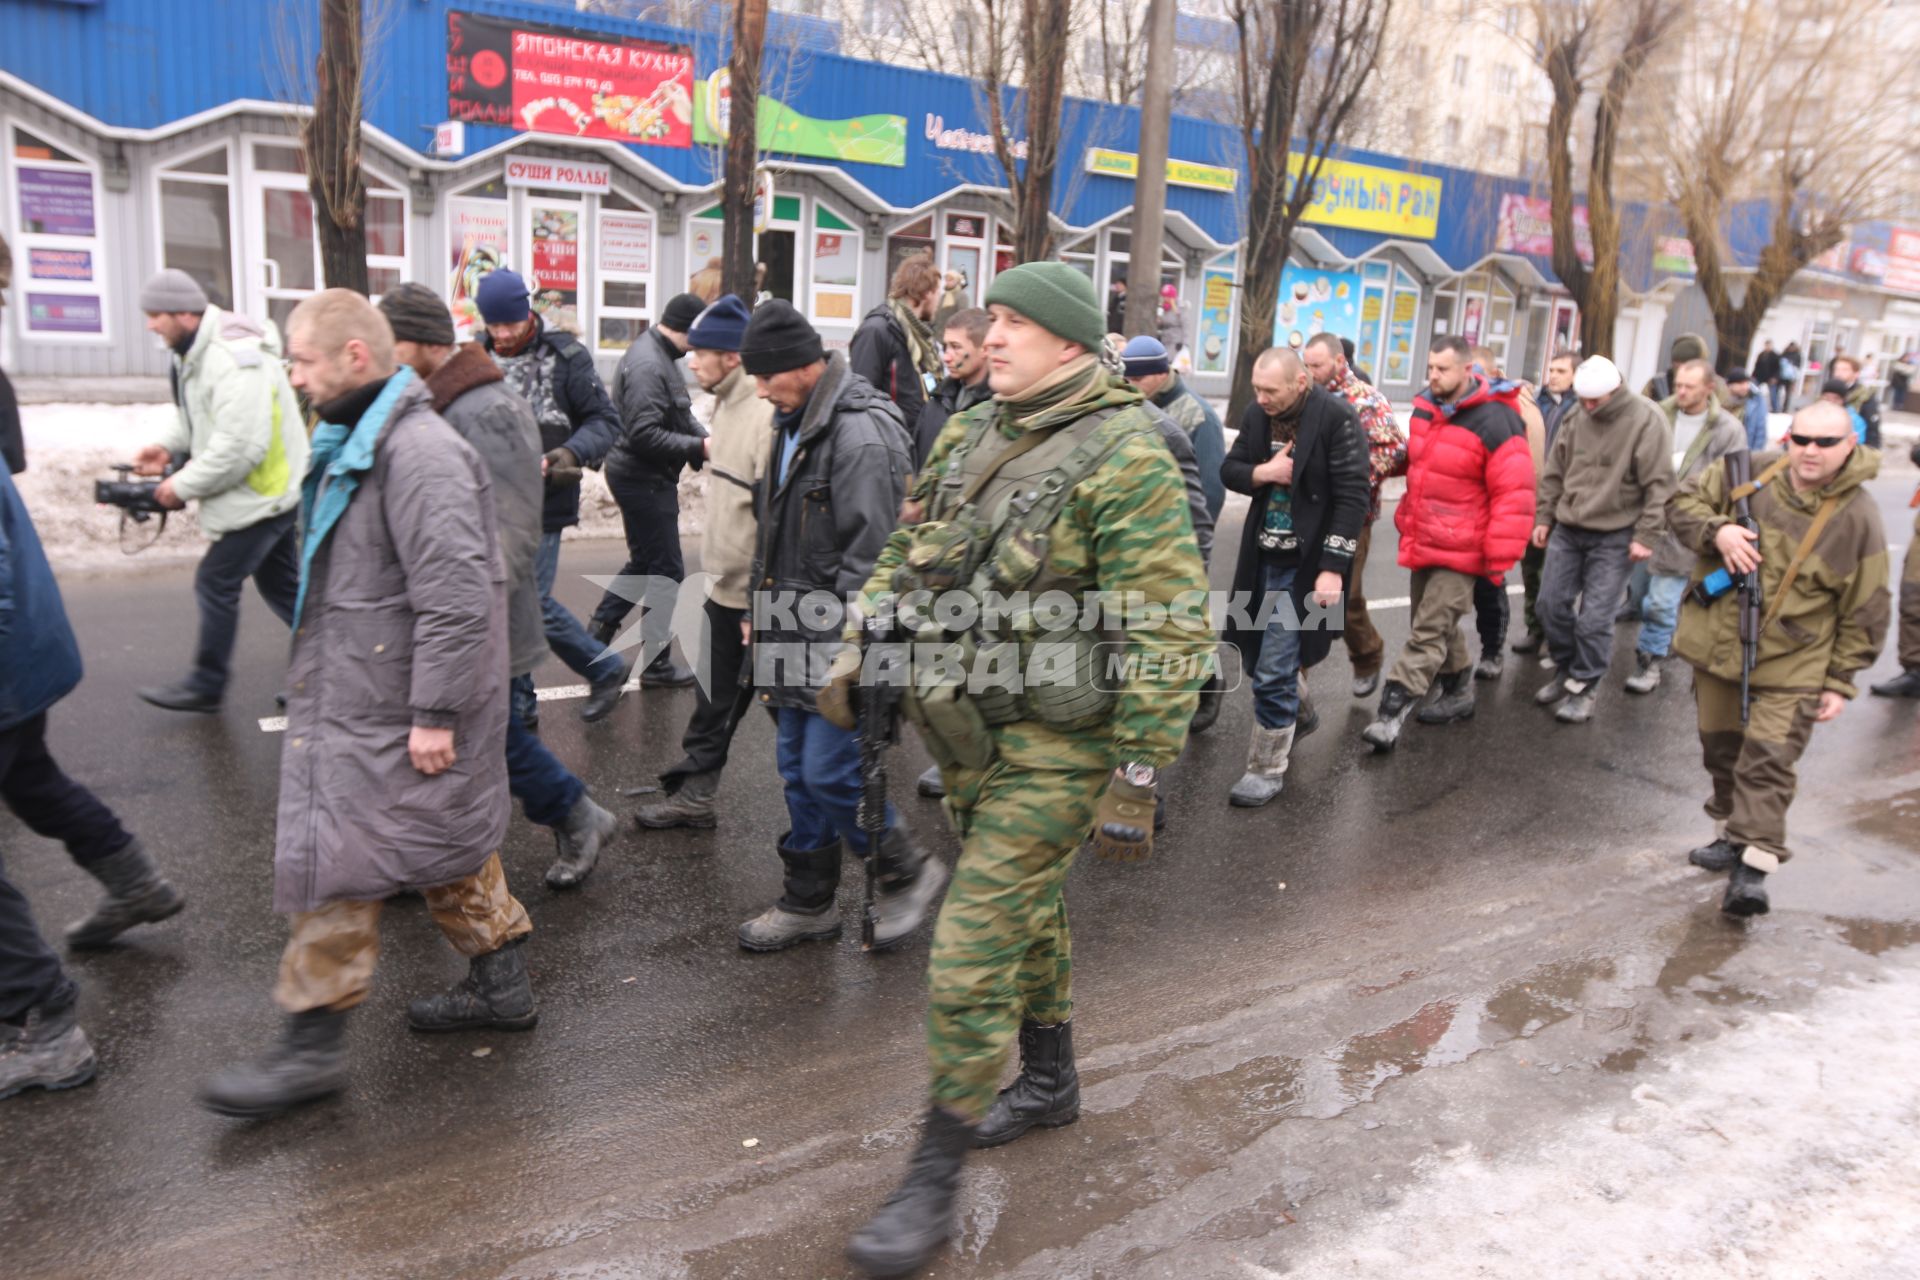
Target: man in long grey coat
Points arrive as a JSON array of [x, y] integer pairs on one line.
[[393, 775]]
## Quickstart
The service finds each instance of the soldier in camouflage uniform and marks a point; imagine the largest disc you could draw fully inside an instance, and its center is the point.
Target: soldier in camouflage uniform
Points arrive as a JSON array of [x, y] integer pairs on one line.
[[1822, 555], [1029, 775], [1907, 683]]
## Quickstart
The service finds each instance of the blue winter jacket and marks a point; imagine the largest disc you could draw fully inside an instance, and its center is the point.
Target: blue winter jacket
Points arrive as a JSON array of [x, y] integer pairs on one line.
[[39, 659]]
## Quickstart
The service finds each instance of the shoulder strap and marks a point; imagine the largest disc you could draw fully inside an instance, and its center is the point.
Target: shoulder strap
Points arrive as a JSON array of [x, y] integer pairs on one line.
[[1800, 554], [1760, 481], [1094, 448]]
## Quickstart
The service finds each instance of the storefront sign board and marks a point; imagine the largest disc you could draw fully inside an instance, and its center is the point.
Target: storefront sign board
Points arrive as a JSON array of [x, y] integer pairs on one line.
[[558, 175], [1526, 226], [545, 79], [871, 139]]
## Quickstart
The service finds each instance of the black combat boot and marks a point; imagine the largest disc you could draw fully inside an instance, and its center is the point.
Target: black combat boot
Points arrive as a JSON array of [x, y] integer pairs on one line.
[[806, 910], [1395, 701], [1455, 701], [136, 894], [692, 805], [604, 696], [1212, 693], [909, 883], [1904, 685], [1746, 892], [1718, 855], [308, 1063], [577, 843], [495, 994], [1045, 1093], [918, 1217]]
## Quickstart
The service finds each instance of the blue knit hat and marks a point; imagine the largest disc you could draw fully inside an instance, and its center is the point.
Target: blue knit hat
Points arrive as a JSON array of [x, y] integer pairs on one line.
[[502, 298], [721, 326], [1144, 356]]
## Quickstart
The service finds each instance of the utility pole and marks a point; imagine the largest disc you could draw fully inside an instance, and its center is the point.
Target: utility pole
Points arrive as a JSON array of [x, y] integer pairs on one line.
[[743, 147], [1150, 184]]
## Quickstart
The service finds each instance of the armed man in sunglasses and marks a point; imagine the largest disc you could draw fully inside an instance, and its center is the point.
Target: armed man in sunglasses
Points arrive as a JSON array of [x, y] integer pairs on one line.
[[1816, 540]]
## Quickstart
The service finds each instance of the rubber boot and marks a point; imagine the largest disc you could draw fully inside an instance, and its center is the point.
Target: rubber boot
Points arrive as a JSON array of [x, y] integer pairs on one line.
[[308, 1063], [1746, 892], [1212, 694], [918, 1218], [495, 995], [806, 910], [1904, 685], [1455, 701], [136, 894], [1395, 702], [1265, 777], [1646, 676], [691, 806], [1719, 855], [45, 1050], [930, 784], [577, 841], [909, 884], [1045, 1094]]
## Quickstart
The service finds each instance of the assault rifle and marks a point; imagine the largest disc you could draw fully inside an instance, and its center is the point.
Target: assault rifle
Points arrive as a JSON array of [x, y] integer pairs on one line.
[[879, 713], [1747, 585]]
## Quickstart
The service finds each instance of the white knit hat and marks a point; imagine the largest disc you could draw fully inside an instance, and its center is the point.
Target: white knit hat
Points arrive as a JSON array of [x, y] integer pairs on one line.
[[1596, 378]]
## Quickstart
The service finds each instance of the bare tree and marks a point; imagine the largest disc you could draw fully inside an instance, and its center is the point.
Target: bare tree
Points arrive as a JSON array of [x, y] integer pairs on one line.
[[1597, 49], [331, 139], [743, 147], [1303, 66], [1773, 105]]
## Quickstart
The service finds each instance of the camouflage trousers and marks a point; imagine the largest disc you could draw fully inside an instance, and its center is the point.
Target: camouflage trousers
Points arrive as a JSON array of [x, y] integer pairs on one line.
[[1910, 605], [328, 963], [1753, 768], [1001, 951]]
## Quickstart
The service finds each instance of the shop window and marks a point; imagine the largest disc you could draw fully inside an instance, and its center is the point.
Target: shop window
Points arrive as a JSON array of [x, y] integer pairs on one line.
[[915, 237], [277, 158], [211, 162], [1213, 335], [478, 241], [196, 223], [27, 146], [774, 250], [836, 266], [553, 272], [60, 266], [1002, 248], [625, 255], [1402, 319]]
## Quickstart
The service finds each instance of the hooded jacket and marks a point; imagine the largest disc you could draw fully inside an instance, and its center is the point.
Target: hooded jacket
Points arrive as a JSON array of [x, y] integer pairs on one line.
[[1469, 502], [554, 374], [1724, 435], [741, 432], [239, 429], [880, 353], [658, 433], [1610, 469], [1834, 620]]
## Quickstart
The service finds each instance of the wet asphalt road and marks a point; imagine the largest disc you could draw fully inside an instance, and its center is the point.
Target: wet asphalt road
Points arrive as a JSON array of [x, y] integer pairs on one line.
[[1280, 1013]]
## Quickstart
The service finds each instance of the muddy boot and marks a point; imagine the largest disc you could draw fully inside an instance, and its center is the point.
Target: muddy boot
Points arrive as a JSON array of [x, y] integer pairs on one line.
[[1904, 685], [930, 784], [1455, 701], [577, 841], [1578, 708], [1646, 677], [1717, 856], [691, 806], [1046, 1093], [495, 995], [1746, 892], [1212, 694], [1395, 702], [1561, 686], [1491, 665], [308, 1063], [1364, 685], [806, 910], [1529, 645], [135, 895], [1266, 767], [909, 884], [45, 1050], [918, 1217]]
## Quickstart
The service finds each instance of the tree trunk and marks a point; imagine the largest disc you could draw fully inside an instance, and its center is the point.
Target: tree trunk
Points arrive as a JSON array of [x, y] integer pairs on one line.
[[743, 149], [1150, 184], [1045, 24], [332, 143]]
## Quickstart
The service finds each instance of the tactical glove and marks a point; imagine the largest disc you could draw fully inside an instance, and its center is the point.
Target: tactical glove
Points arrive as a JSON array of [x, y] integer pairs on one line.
[[1123, 824]]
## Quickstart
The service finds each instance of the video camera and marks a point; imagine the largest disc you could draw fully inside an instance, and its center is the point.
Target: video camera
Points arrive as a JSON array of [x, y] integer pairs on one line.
[[134, 497]]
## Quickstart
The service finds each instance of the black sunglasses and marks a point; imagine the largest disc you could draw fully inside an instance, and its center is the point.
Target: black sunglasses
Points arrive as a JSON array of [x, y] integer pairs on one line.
[[1825, 442]]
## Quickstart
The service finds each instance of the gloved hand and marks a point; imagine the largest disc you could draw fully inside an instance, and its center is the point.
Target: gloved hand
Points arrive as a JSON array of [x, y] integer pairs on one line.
[[561, 467], [1123, 824], [836, 699]]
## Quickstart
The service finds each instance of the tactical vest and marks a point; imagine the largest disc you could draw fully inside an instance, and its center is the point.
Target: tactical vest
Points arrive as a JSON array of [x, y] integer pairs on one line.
[[985, 542]]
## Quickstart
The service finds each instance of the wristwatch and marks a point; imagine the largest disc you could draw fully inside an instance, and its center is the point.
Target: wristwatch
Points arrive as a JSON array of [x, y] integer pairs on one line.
[[1137, 773]]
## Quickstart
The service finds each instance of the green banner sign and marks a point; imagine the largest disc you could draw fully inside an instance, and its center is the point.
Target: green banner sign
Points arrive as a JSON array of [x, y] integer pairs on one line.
[[875, 139]]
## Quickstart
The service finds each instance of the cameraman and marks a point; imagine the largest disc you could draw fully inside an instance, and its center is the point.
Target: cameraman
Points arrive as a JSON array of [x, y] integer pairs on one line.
[[239, 445]]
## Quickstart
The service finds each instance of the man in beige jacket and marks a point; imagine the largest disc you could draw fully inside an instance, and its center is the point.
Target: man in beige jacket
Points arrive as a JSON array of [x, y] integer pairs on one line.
[[739, 437]]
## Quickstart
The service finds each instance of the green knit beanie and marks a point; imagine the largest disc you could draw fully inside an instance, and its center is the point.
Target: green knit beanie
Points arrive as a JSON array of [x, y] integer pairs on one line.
[[1054, 296]]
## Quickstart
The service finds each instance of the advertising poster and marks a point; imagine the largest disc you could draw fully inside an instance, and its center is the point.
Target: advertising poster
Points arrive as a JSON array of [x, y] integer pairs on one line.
[[1526, 226], [1400, 325], [555, 278], [1471, 320], [626, 243], [836, 259], [587, 85], [1366, 352], [477, 240], [63, 313], [55, 202], [873, 139], [1216, 320], [71, 265], [1315, 301]]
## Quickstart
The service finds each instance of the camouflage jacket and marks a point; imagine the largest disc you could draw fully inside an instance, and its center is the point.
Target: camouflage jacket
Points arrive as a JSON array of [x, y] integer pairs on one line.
[[1125, 530], [1834, 620]]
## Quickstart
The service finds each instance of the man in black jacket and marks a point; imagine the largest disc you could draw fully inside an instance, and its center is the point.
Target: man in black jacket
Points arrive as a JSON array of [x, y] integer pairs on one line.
[[1302, 457], [893, 349], [554, 374], [826, 506], [658, 438], [965, 356]]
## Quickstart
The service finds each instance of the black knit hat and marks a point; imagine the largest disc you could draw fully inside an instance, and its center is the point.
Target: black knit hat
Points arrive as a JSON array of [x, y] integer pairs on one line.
[[778, 338], [681, 311], [417, 315]]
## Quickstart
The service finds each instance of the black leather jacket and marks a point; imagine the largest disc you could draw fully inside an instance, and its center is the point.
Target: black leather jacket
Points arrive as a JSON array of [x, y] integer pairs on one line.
[[658, 434]]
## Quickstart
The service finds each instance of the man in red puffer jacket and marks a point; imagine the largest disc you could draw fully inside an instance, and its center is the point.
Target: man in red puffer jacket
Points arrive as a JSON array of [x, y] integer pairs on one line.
[[1466, 516]]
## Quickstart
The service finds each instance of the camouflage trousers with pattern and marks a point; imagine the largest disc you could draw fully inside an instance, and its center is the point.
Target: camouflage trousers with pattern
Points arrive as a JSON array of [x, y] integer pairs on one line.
[[328, 963], [1910, 604], [1753, 767], [1001, 951]]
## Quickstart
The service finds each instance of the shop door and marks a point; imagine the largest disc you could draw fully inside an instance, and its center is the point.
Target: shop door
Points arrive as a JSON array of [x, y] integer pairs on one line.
[[287, 255]]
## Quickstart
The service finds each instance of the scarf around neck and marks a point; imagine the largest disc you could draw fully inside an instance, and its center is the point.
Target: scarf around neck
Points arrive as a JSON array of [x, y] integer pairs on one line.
[[919, 337], [339, 457], [1075, 389]]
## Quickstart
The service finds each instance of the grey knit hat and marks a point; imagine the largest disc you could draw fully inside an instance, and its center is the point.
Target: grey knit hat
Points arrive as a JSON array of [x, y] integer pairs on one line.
[[170, 291], [417, 315]]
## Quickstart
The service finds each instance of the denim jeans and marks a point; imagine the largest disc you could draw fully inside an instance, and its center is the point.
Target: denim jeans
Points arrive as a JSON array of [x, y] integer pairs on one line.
[[820, 764], [1660, 614], [650, 516], [1580, 590], [565, 636], [545, 788], [1276, 675], [267, 552]]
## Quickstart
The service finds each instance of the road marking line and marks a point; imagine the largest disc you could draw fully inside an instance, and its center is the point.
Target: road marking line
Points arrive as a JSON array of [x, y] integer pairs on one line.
[[553, 693]]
